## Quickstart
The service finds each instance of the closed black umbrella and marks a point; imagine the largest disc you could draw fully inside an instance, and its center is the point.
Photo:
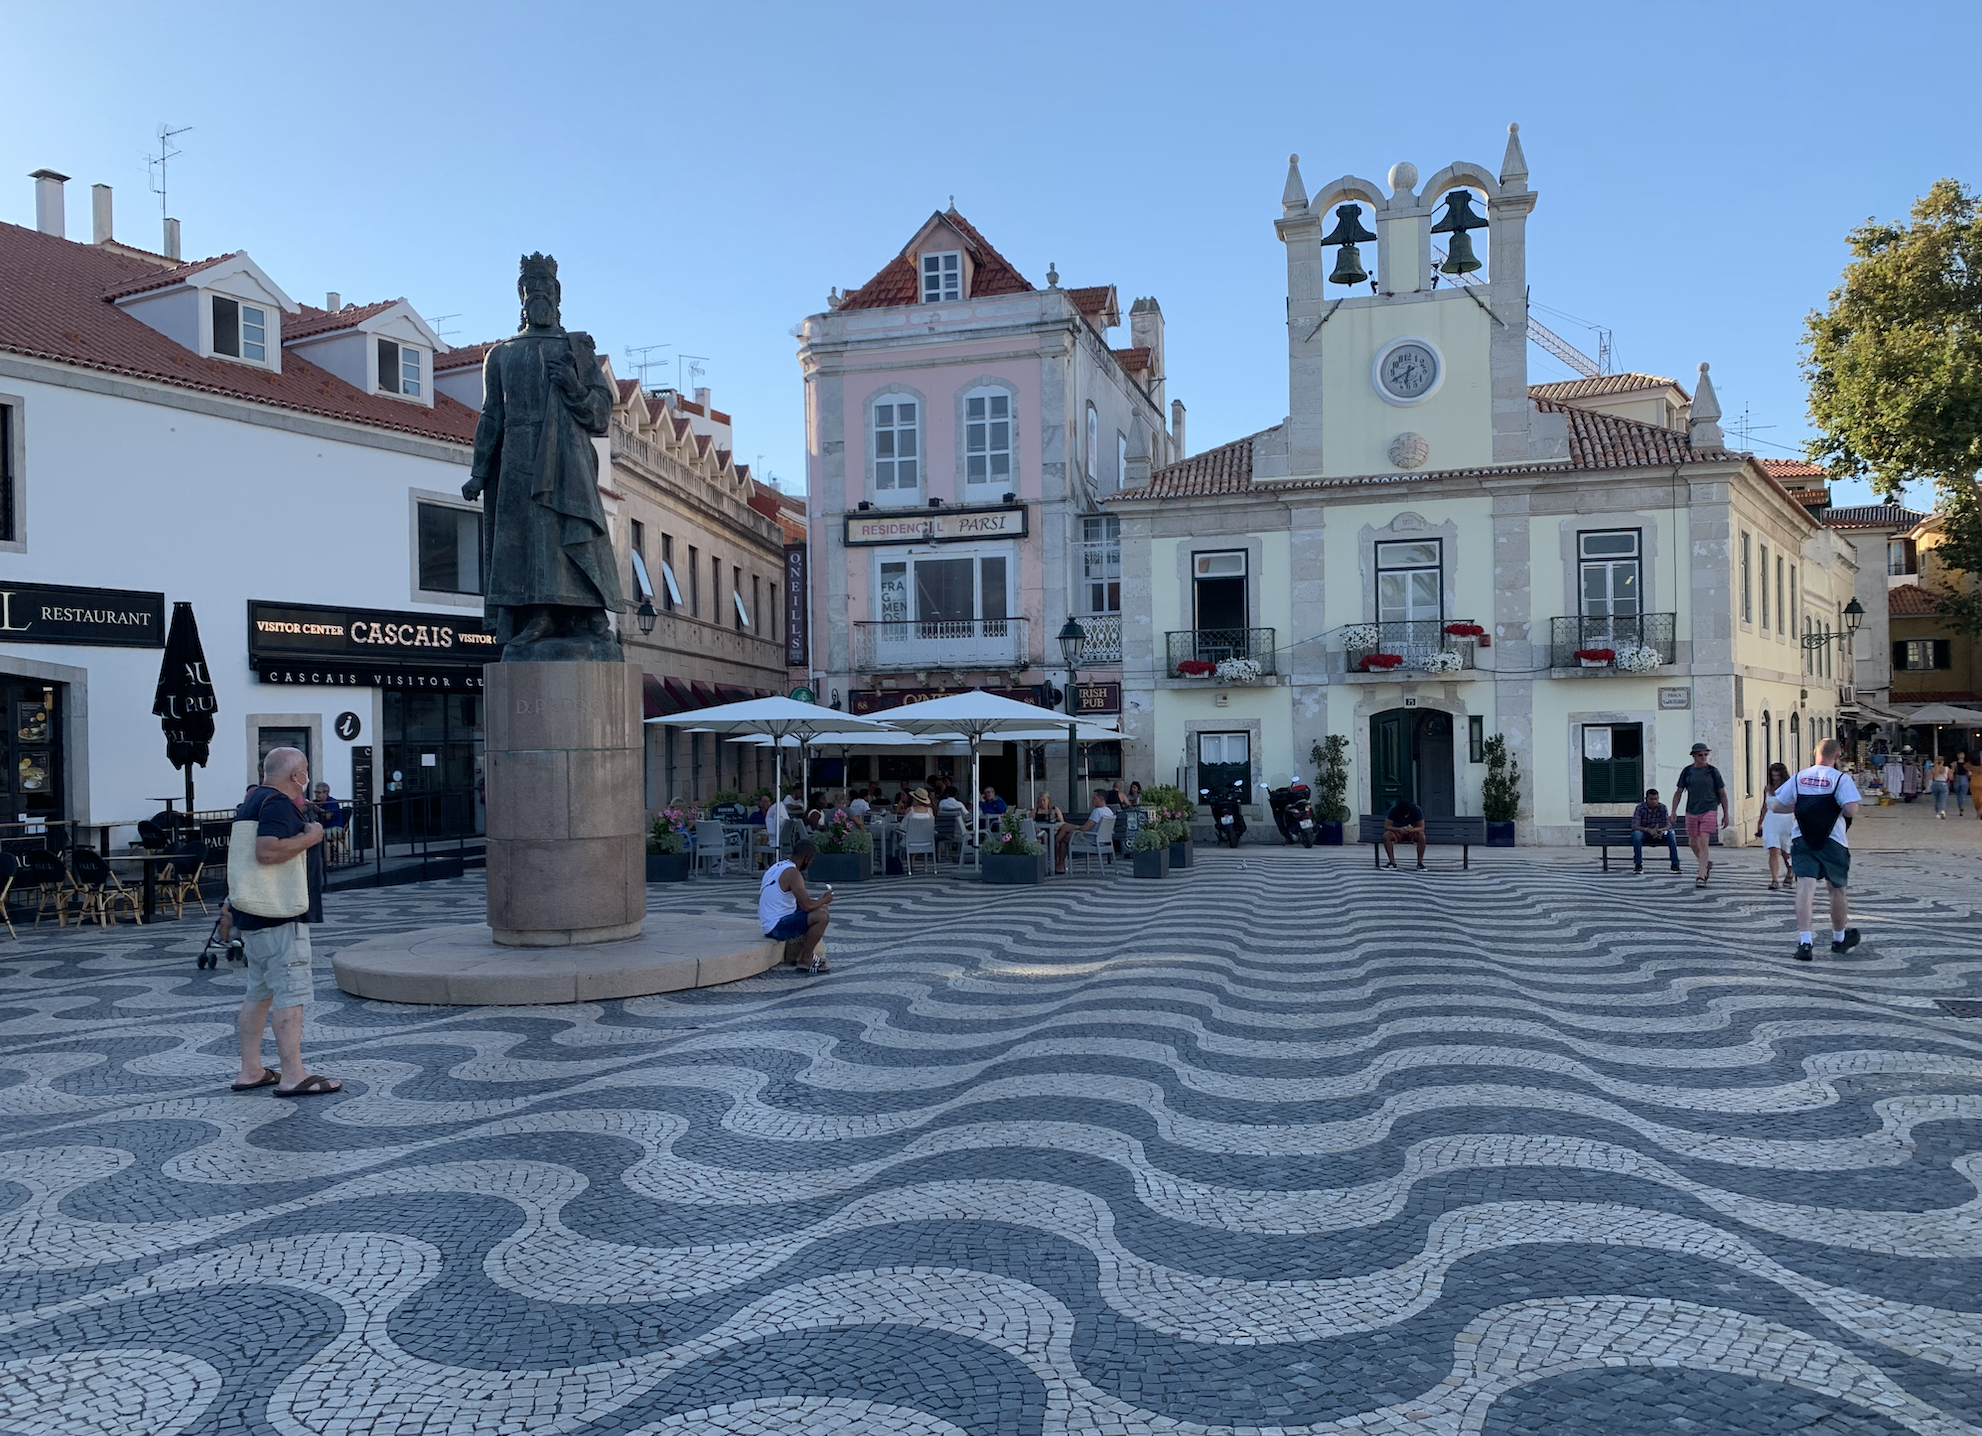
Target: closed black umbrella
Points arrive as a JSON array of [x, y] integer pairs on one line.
[[185, 704]]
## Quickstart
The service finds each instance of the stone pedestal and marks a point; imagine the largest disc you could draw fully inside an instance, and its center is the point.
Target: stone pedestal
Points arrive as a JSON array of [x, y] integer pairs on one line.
[[566, 811]]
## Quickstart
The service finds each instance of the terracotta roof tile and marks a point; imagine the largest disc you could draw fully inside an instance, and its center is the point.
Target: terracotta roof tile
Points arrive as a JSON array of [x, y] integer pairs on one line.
[[52, 307], [1134, 360], [149, 278], [1604, 441], [1227, 469], [463, 356], [628, 389], [898, 283], [1094, 299], [1795, 469], [312, 320], [1600, 384], [1959, 698], [1873, 516], [1910, 600]]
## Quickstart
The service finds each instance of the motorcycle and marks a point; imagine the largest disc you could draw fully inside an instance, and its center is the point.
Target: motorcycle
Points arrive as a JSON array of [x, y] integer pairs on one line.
[[1292, 813], [1227, 803]]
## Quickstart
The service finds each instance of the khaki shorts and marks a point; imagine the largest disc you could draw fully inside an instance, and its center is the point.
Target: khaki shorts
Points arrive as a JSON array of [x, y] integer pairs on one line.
[[278, 964]]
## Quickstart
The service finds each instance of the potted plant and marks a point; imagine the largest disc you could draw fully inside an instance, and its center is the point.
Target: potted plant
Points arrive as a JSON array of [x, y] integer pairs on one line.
[[1195, 668], [846, 851], [1380, 662], [1594, 657], [1238, 670], [1150, 852], [1470, 630], [1639, 658], [668, 858], [1168, 808], [1442, 661], [1500, 792], [1331, 788], [1013, 854]]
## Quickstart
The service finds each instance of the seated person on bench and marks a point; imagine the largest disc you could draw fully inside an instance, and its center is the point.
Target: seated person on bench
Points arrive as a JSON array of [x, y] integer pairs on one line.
[[1404, 820], [1651, 820]]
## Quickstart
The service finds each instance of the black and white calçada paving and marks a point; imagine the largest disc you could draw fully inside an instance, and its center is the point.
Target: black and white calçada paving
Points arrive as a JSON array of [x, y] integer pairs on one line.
[[1280, 1144]]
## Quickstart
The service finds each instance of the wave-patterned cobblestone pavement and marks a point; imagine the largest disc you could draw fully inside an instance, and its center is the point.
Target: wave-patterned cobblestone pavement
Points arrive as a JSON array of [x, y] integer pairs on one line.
[[1279, 1145]]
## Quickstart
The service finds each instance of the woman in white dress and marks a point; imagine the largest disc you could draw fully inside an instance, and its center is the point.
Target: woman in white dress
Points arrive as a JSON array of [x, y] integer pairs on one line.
[[1777, 830]]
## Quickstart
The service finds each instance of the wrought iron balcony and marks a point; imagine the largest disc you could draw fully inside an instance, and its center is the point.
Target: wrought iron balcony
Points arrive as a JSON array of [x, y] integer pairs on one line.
[[1416, 641], [1104, 638], [940, 643], [1199, 646], [1620, 633]]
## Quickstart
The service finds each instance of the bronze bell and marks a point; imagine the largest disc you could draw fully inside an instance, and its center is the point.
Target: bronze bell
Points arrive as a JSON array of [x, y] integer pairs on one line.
[[1348, 227], [1459, 256], [1459, 217], [1348, 267]]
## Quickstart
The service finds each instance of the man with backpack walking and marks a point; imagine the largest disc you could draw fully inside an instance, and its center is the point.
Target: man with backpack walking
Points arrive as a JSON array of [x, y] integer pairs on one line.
[[1706, 807], [1824, 801]]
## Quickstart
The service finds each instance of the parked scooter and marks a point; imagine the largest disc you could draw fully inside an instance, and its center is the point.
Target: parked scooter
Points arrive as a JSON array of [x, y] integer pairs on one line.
[[1227, 802], [1292, 814]]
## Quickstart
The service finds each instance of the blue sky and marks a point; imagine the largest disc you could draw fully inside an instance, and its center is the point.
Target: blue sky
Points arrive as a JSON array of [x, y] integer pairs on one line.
[[706, 173]]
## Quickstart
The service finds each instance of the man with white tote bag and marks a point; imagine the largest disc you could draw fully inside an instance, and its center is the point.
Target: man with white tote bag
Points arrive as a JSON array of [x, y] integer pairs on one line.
[[268, 890]]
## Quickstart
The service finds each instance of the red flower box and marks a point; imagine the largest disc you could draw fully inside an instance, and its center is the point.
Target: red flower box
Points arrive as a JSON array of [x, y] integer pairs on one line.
[[1196, 668], [1381, 661], [1465, 630], [1595, 655]]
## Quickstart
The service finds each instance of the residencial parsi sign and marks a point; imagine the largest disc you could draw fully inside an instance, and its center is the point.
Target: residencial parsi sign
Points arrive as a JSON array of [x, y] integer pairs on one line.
[[944, 525]]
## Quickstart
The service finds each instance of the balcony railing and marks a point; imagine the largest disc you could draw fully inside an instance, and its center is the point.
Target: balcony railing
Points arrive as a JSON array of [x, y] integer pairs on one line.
[[1215, 645], [1413, 640], [1617, 632], [1104, 638], [940, 643]]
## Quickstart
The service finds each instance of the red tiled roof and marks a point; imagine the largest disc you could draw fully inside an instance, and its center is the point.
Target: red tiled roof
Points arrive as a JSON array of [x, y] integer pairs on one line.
[[1953, 696], [1604, 441], [1873, 516], [1224, 470], [1910, 600], [1134, 360], [324, 321], [1600, 384], [1809, 498], [897, 282], [154, 278], [1794, 469], [627, 388], [463, 356], [1093, 299], [53, 308]]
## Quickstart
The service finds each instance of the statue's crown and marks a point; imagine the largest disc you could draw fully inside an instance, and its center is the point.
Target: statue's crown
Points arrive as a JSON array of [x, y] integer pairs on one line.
[[537, 266]]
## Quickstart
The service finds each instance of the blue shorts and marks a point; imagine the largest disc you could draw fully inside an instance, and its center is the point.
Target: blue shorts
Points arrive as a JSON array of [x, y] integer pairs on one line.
[[791, 925]]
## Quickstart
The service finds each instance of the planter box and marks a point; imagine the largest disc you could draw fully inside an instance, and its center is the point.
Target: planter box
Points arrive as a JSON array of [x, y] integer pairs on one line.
[[1500, 835], [669, 867], [839, 868], [1180, 853], [1152, 863], [1328, 835], [1594, 662], [1014, 868]]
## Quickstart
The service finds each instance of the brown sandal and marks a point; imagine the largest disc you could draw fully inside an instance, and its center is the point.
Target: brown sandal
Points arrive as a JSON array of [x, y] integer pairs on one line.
[[311, 1086], [268, 1079]]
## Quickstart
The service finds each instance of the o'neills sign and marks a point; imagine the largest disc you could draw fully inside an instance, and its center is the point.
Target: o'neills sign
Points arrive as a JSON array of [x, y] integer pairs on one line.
[[367, 647], [935, 525], [880, 700], [103, 617]]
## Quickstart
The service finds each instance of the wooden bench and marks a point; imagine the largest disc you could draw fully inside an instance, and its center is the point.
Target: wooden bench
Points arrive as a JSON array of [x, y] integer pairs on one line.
[[1464, 834], [1608, 833]]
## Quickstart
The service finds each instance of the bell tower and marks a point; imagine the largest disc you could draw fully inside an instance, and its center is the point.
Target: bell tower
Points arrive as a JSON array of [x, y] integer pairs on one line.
[[1410, 358]]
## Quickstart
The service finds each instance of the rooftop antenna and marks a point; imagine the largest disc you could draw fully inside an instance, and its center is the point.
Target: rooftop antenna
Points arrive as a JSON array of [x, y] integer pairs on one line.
[[434, 322], [1745, 427], [689, 372], [155, 164], [641, 355]]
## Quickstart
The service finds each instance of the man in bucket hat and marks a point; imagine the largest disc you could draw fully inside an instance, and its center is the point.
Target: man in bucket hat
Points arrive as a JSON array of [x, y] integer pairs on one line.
[[1706, 809]]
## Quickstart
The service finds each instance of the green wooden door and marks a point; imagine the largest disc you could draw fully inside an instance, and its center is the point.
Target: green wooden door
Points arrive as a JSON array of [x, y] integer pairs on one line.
[[1390, 759]]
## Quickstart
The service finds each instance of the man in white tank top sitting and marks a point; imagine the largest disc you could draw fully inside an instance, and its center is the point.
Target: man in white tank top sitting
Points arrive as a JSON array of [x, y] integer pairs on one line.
[[788, 912]]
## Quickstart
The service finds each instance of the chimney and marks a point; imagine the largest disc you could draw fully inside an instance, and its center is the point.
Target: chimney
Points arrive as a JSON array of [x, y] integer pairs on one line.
[[1177, 430], [48, 201], [702, 398], [1146, 332], [171, 239], [99, 214], [333, 301]]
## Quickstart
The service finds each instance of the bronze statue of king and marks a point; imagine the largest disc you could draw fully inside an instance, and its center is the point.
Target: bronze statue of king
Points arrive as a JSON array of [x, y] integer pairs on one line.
[[548, 572]]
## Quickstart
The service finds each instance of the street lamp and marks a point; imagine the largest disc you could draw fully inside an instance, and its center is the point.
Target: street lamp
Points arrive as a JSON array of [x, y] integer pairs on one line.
[[1854, 614], [1072, 639], [646, 615]]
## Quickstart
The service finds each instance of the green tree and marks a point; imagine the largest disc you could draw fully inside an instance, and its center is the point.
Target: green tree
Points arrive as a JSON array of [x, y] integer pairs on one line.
[[1895, 361]]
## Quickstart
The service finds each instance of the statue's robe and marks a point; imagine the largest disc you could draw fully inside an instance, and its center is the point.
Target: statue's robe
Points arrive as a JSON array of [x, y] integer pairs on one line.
[[546, 540]]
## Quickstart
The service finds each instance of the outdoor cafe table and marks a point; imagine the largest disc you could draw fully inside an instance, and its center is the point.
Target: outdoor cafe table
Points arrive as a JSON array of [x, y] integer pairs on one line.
[[150, 863]]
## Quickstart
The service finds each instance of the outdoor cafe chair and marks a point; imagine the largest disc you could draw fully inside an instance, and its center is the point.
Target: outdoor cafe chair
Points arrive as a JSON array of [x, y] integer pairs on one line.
[[42, 870], [99, 890], [1098, 844], [10, 868], [918, 836], [180, 880], [711, 846]]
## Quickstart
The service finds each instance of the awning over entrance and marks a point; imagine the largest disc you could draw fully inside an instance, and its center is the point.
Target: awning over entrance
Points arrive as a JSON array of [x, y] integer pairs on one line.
[[655, 700]]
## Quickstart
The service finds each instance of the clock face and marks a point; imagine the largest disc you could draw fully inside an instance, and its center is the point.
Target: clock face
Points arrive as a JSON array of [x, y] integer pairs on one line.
[[1408, 370]]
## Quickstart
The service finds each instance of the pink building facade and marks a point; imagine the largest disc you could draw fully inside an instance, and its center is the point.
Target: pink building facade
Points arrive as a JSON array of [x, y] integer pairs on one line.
[[962, 427]]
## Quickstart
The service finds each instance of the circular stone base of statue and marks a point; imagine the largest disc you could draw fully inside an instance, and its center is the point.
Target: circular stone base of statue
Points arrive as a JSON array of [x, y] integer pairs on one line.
[[461, 966]]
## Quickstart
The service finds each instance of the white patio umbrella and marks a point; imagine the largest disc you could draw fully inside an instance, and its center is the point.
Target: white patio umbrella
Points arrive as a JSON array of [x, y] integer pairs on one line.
[[976, 715], [773, 718], [1939, 716]]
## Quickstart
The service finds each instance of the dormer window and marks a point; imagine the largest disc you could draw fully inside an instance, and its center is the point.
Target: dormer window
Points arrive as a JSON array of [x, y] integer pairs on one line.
[[942, 277], [399, 368], [240, 331]]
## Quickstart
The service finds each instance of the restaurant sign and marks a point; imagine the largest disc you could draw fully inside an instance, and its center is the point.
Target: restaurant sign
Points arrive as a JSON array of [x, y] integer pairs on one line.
[[879, 700], [1097, 698], [945, 525], [285, 638], [101, 617]]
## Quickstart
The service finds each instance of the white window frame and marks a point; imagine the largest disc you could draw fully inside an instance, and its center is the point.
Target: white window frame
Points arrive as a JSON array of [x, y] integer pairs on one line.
[[1100, 562], [742, 612], [1224, 740], [425, 498], [1438, 569], [391, 378], [1585, 560], [243, 325], [979, 441], [912, 556], [892, 491], [1093, 449], [941, 276], [1121, 458]]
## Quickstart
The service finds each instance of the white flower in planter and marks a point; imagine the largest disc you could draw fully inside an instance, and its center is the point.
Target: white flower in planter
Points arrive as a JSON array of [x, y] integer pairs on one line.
[[1361, 635], [1238, 670], [1441, 662], [1642, 659]]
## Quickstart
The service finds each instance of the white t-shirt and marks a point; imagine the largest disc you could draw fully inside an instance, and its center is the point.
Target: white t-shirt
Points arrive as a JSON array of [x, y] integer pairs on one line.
[[1814, 782], [858, 807], [773, 902], [949, 805], [1099, 814]]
